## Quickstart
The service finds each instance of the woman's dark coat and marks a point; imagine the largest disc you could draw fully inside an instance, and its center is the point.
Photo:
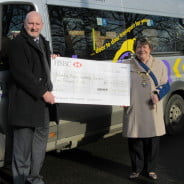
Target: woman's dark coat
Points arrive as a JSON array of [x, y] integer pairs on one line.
[[26, 105]]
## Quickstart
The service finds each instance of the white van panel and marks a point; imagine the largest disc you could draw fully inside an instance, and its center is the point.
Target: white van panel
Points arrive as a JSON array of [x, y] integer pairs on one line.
[[164, 8], [93, 4], [157, 7], [170, 8]]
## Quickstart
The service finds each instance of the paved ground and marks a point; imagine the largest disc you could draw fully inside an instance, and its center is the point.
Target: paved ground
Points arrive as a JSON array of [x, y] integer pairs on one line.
[[107, 162]]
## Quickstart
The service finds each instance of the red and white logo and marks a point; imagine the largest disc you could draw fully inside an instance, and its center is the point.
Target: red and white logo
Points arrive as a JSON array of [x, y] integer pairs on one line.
[[77, 64]]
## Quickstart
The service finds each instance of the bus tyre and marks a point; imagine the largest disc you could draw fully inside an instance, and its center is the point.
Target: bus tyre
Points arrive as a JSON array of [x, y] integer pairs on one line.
[[174, 114]]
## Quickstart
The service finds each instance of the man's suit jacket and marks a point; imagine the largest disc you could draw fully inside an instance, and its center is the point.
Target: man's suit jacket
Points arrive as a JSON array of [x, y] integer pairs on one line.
[[26, 105]]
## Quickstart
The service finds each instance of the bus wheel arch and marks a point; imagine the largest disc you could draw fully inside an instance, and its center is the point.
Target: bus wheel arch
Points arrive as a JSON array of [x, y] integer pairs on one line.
[[174, 114]]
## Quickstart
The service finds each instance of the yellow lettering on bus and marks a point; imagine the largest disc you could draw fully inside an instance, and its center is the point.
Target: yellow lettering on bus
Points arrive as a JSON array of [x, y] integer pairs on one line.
[[97, 39]]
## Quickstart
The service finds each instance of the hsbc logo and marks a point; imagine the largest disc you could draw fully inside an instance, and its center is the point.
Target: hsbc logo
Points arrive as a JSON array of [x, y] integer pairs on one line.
[[77, 64], [67, 63]]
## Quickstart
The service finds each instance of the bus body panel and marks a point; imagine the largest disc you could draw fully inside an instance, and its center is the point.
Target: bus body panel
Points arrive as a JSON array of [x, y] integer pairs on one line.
[[79, 124], [94, 4], [164, 8], [156, 7]]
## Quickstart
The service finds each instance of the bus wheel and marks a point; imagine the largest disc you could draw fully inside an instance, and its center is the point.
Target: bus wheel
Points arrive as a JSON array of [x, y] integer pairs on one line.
[[174, 114]]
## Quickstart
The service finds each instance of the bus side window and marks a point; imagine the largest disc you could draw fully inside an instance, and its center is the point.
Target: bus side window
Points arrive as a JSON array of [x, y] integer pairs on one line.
[[11, 22]]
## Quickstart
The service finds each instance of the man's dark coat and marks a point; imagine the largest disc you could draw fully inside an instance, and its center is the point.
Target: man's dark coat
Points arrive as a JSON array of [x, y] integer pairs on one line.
[[26, 105]]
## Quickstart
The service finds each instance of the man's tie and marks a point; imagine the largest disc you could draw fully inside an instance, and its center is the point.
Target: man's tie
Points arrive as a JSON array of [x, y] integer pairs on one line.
[[37, 42]]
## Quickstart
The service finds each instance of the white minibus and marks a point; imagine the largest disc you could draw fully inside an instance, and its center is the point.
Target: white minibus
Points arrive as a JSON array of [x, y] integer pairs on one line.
[[96, 30]]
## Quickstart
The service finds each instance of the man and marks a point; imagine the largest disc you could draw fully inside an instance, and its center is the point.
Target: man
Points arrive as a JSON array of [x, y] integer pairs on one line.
[[29, 99]]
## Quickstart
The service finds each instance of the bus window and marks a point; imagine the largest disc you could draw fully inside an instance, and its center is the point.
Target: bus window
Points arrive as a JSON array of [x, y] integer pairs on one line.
[[166, 33], [104, 35], [82, 32], [11, 21]]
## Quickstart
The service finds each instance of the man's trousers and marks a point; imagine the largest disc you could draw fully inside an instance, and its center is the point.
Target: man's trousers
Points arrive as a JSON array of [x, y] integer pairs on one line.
[[29, 146]]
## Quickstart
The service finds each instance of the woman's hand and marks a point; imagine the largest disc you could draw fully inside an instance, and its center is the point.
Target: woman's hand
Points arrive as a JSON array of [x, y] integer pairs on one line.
[[154, 98]]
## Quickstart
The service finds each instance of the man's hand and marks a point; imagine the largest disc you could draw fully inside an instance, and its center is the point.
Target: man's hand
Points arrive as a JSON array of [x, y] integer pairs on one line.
[[54, 56], [49, 97], [154, 98]]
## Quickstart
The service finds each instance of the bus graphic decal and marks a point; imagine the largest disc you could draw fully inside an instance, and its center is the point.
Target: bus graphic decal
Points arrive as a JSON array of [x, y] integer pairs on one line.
[[176, 67], [125, 50], [168, 69], [117, 38]]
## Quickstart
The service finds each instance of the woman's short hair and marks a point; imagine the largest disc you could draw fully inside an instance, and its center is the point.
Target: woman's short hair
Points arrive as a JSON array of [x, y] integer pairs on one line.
[[143, 40]]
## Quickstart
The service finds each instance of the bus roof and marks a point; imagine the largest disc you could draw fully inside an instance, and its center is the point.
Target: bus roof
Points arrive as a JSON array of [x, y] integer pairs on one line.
[[170, 8]]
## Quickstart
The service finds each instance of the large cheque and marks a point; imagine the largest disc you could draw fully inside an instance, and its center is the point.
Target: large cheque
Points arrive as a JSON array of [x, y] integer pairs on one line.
[[90, 82]]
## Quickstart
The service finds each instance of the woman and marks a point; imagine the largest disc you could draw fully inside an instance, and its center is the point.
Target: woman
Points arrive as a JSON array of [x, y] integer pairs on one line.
[[143, 119]]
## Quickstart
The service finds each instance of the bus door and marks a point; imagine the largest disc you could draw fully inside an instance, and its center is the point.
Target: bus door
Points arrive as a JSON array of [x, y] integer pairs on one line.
[[11, 21]]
